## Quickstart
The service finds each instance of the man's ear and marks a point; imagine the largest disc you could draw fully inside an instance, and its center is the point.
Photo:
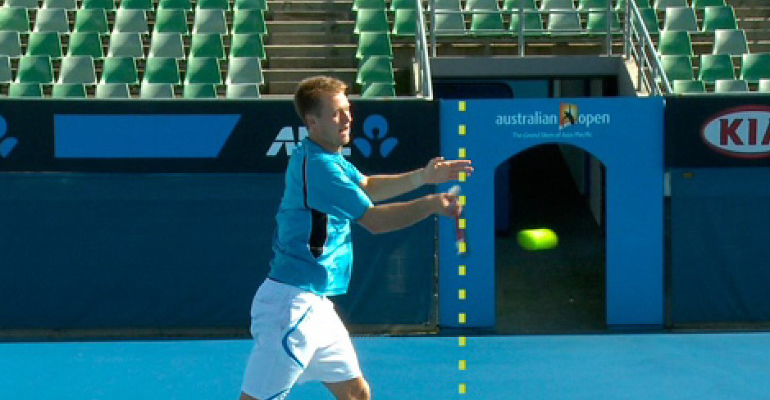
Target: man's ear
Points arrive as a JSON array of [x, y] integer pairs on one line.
[[310, 120]]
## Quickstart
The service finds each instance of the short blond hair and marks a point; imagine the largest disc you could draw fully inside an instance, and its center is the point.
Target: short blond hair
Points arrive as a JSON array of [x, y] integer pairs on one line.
[[310, 91]]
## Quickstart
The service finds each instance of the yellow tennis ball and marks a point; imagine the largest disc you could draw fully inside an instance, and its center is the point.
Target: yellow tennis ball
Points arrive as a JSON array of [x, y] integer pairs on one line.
[[537, 239]]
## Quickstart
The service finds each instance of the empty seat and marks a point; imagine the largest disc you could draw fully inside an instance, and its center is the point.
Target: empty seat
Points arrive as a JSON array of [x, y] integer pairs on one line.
[[52, 20], [533, 24], [171, 21], [203, 70], [10, 44], [69, 91], [675, 43], [547, 5], [199, 91], [713, 67], [131, 21], [677, 67], [247, 45], [374, 44], [485, 5], [701, 4], [137, 5], [91, 20], [650, 20], [166, 45], [378, 89], [513, 5], [63, 4], [371, 21], [5, 69], [175, 4], [244, 70], [207, 45], [688, 86], [680, 19], [120, 70], [85, 44], [719, 18], [249, 21], [162, 70], [593, 5], [103, 4], [661, 5], [755, 67], [112, 91], [597, 22], [563, 23], [35, 69], [450, 24], [731, 86], [28, 4], [210, 21], [124, 44], [730, 41], [156, 91], [250, 5], [375, 69], [405, 22], [44, 44], [77, 69], [23, 89], [213, 4], [764, 86], [242, 91], [370, 4], [14, 19], [487, 24], [403, 5], [450, 5]]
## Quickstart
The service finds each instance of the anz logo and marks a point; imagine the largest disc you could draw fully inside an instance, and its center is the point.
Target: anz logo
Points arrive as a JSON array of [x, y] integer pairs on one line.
[[7, 144], [375, 140]]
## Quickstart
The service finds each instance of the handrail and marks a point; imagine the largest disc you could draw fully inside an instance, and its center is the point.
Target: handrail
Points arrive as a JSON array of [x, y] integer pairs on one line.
[[424, 82], [639, 45]]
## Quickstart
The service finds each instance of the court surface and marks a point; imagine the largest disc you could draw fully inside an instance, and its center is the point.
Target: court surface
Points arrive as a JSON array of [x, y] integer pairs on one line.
[[595, 367]]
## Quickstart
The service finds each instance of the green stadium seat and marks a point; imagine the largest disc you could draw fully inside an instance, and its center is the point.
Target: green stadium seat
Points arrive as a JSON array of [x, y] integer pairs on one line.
[[28, 4], [91, 20], [764, 86], [85, 44], [199, 91], [375, 69], [145, 5], [713, 67], [596, 22], [112, 91], [680, 19], [77, 69], [486, 5], [210, 21], [650, 20], [212, 4], [156, 91], [10, 44], [677, 67], [120, 70], [52, 20], [203, 70], [450, 5], [21, 89], [131, 21], [374, 44], [547, 5], [247, 45], [126, 45], [404, 22], [513, 5], [250, 5], [166, 45], [533, 24], [103, 4], [68, 5], [6, 74], [730, 41], [162, 70], [175, 4], [450, 24], [35, 69], [485, 24], [731, 86], [755, 67], [719, 18], [369, 4], [688, 87], [560, 23], [14, 19], [701, 4], [593, 5], [244, 70], [371, 21], [378, 89], [661, 5], [675, 43], [249, 21], [403, 5], [68, 91], [242, 91], [207, 45], [171, 21], [44, 44]]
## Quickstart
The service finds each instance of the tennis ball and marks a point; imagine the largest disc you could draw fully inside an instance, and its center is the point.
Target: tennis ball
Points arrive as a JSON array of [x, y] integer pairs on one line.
[[537, 239]]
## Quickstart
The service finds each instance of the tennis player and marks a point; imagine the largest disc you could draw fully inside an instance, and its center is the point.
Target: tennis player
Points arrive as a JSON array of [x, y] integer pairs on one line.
[[298, 336]]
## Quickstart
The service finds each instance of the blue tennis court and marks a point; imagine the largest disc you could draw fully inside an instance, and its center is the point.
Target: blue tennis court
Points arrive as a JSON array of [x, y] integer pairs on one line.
[[596, 367]]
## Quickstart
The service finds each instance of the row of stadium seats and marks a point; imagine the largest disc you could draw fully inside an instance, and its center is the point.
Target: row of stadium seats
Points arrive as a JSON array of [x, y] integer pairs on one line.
[[140, 4], [123, 91]]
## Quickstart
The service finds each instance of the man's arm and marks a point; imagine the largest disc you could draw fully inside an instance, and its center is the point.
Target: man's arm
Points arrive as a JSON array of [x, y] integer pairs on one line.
[[394, 216], [383, 187]]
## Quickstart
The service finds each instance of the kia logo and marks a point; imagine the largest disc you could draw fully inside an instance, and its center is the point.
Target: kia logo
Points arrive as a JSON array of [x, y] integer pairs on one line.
[[742, 132]]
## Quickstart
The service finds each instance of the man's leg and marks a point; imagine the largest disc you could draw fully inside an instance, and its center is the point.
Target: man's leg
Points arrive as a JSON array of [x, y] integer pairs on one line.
[[245, 396], [354, 389]]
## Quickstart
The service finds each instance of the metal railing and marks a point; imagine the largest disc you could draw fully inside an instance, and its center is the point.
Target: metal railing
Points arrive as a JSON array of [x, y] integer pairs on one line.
[[423, 82], [638, 45]]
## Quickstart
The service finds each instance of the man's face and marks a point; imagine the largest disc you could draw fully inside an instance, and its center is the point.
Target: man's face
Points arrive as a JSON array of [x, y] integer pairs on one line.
[[330, 126]]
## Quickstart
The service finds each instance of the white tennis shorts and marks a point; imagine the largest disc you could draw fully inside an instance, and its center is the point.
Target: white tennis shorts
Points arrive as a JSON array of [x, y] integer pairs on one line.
[[298, 337]]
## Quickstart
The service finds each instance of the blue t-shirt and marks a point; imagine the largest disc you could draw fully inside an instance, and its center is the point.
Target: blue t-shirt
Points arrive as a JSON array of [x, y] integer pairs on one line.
[[312, 245]]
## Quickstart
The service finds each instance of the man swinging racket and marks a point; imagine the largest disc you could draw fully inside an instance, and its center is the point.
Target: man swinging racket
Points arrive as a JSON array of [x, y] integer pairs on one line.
[[298, 336]]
